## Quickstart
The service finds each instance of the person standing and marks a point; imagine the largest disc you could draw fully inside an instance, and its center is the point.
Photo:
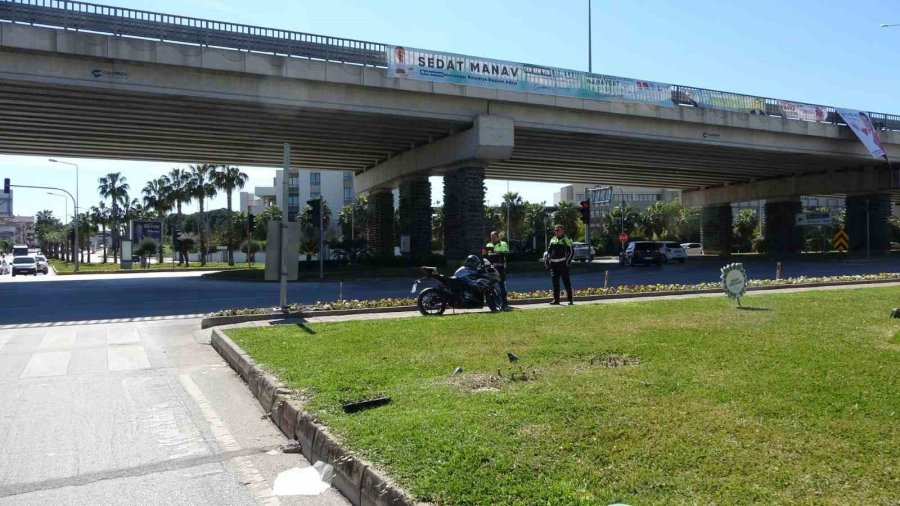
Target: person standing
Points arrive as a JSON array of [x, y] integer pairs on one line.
[[496, 252], [559, 257]]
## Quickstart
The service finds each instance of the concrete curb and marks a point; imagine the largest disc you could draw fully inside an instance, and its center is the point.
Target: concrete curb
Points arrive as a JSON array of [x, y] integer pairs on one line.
[[215, 321], [356, 479]]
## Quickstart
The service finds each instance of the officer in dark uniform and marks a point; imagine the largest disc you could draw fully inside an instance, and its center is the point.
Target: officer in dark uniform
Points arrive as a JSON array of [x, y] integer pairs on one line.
[[559, 257], [496, 252]]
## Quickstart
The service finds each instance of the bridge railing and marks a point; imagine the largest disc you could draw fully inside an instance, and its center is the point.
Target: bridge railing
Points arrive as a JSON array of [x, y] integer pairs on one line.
[[73, 15]]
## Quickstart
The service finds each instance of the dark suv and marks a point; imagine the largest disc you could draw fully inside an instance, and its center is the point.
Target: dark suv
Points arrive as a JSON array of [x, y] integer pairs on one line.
[[641, 252]]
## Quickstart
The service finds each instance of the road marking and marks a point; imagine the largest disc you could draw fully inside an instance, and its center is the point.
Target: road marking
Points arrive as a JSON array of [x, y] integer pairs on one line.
[[58, 339], [245, 468], [53, 363], [14, 326], [127, 357]]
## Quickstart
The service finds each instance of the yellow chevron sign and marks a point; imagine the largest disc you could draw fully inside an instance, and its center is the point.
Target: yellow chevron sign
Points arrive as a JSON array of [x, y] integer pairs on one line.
[[841, 240]]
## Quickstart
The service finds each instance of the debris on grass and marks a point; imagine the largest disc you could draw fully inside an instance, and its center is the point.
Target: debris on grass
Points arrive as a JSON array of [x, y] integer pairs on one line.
[[614, 360], [359, 405]]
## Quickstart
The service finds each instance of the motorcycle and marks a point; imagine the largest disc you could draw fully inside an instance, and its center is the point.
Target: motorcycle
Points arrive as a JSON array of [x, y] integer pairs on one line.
[[473, 291]]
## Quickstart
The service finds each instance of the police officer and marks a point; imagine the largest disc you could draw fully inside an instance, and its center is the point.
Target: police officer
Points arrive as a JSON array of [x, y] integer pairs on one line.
[[496, 252], [559, 256]]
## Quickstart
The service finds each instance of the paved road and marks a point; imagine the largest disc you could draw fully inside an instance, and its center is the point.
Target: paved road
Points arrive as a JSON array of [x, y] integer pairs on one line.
[[136, 413], [140, 295]]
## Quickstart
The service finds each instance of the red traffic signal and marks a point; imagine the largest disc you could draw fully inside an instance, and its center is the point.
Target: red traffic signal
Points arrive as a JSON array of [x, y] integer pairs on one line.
[[586, 211]]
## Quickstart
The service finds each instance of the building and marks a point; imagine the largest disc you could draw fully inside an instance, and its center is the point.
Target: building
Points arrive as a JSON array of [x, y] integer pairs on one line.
[[334, 187], [640, 197], [18, 229], [6, 204]]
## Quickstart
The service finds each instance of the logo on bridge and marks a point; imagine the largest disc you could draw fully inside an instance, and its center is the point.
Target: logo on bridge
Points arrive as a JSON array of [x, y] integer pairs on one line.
[[106, 74]]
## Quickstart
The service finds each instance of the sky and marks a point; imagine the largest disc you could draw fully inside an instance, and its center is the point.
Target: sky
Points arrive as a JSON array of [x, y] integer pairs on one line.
[[821, 52]]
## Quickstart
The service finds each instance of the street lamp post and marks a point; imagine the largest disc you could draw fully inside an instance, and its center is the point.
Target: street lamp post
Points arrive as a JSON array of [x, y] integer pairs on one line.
[[77, 207], [886, 25], [590, 48]]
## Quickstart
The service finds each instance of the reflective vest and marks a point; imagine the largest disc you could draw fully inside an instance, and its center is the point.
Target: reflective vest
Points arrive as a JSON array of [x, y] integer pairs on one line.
[[560, 250]]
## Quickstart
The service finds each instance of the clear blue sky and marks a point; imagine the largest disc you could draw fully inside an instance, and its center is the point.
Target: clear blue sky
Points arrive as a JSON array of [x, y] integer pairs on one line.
[[830, 53]]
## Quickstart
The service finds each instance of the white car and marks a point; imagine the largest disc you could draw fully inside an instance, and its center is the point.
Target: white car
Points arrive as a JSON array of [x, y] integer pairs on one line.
[[582, 252], [672, 251], [692, 248]]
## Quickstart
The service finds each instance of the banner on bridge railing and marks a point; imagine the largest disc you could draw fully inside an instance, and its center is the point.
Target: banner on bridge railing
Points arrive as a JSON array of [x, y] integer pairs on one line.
[[862, 126], [424, 65]]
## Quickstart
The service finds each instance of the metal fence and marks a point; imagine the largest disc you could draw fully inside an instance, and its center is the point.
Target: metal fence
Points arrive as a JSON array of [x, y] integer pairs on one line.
[[165, 27]]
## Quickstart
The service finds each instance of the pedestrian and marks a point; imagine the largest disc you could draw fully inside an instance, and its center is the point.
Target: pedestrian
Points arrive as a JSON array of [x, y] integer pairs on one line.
[[496, 252], [559, 257]]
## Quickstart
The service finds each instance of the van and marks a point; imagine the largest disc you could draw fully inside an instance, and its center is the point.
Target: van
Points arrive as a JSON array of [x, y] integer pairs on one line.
[[20, 250]]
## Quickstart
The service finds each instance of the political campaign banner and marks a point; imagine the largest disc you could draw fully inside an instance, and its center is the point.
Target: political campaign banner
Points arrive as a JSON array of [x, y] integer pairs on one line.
[[804, 112], [424, 65], [862, 126]]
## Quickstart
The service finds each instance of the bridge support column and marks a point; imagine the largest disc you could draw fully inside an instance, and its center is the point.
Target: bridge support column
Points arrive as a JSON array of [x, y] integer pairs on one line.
[[415, 215], [716, 229], [463, 212], [879, 210], [380, 223], [780, 226]]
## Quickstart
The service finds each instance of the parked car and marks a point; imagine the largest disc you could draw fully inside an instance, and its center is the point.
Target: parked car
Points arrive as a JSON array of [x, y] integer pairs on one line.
[[641, 252], [42, 264], [692, 248], [24, 265], [583, 252], [672, 251]]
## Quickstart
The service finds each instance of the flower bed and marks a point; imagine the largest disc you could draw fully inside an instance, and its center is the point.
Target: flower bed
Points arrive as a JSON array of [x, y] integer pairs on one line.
[[582, 292]]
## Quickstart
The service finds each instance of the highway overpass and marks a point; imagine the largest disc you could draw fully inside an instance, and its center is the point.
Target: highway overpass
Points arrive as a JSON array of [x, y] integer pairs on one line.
[[100, 82]]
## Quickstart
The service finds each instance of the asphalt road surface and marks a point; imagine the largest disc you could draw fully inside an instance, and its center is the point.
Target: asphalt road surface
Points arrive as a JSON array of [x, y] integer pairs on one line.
[[29, 299]]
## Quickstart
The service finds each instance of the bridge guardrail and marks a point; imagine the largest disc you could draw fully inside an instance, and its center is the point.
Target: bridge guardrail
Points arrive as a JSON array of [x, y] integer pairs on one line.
[[74, 15]]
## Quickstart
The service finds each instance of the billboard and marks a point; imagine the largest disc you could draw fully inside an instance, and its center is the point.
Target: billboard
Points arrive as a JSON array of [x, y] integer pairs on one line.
[[141, 230], [425, 65]]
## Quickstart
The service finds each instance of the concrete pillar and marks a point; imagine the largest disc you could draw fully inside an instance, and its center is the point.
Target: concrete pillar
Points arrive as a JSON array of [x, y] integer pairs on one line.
[[716, 229], [464, 212], [415, 215], [780, 227], [879, 210], [380, 223]]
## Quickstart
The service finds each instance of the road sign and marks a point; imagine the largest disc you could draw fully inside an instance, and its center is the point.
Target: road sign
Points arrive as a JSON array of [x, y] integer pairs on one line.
[[840, 240], [623, 237], [813, 219]]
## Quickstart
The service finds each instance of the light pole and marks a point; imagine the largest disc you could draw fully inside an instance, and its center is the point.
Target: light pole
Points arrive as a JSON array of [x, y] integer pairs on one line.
[[75, 210], [886, 25], [508, 205], [590, 26]]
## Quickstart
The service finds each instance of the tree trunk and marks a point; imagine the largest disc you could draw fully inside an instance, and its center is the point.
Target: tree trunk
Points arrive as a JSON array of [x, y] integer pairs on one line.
[[103, 237], [162, 230], [230, 229]]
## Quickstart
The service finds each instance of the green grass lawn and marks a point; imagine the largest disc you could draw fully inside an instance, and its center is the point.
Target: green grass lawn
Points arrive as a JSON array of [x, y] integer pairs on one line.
[[796, 400], [66, 267]]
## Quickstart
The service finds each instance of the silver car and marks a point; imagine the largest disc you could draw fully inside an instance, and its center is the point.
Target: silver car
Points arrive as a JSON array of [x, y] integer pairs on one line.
[[673, 251]]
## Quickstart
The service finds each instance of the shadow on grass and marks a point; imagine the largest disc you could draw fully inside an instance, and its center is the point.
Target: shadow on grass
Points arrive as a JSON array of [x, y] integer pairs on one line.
[[748, 308], [299, 323]]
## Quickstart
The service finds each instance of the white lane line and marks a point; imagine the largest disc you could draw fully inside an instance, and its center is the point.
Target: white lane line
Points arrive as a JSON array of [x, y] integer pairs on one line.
[[52, 363], [62, 339], [243, 465], [127, 357], [14, 326]]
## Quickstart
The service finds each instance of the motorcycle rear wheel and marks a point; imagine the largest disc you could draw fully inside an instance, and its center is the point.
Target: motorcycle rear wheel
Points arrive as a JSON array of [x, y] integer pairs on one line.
[[430, 302]]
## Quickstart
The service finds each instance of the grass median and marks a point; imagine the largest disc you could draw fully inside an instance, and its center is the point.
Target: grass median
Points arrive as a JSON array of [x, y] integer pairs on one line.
[[101, 268], [793, 399]]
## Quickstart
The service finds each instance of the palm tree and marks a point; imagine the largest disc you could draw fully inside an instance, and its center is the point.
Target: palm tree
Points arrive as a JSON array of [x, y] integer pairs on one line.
[[180, 181], [229, 178], [114, 186], [157, 196], [99, 218], [202, 187], [512, 210]]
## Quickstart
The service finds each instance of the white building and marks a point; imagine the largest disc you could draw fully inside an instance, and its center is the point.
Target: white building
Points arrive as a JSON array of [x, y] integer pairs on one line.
[[335, 188]]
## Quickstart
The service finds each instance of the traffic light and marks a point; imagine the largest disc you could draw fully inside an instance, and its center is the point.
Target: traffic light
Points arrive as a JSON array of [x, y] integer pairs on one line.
[[176, 238], [251, 222], [315, 210], [6, 185], [586, 212]]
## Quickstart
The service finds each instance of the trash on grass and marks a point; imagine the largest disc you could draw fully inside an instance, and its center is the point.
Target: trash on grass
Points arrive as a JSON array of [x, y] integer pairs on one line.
[[307, 481]]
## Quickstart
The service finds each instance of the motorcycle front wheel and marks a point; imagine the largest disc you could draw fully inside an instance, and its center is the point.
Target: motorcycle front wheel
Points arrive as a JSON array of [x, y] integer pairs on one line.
[[492, 298], [430, 302]]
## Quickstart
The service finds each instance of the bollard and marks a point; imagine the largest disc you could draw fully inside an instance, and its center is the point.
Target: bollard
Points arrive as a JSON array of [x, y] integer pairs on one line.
[[777, 271], [606, 280]]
